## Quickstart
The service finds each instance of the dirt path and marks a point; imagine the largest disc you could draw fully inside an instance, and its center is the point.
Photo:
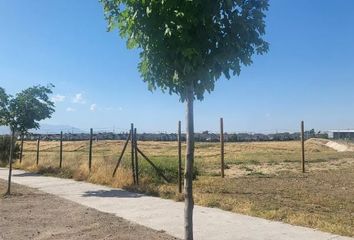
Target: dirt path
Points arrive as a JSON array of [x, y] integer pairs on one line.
[[335, 145], [32, 214], [339, 147]]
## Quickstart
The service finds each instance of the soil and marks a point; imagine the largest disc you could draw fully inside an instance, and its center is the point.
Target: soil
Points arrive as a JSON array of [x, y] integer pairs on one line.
[[339, 147], [32, 214]]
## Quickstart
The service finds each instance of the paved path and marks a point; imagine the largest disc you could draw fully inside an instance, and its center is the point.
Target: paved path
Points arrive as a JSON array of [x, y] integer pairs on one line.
[[167, 215]]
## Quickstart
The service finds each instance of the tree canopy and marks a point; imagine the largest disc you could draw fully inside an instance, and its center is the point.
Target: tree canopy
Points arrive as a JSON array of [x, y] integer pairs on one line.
[[24, 111], [4, 113], [189, 42]]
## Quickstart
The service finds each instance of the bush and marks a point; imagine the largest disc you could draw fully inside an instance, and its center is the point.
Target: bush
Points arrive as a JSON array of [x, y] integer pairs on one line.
[[167, 165], [5, 150]]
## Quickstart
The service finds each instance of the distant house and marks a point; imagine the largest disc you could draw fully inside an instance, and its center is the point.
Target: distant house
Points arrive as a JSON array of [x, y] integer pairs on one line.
[[341, 134], [205, 136], [260, 137], [244, 137]]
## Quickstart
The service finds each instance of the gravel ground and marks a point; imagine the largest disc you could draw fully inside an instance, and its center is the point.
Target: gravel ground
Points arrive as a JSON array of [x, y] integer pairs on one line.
[[32, 214]]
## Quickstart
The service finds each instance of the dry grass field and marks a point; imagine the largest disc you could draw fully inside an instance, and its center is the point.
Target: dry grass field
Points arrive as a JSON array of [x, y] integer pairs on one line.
[[263, 179]]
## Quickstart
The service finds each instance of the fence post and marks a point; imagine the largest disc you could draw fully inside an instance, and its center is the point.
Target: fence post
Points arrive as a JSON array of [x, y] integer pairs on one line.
[[21, 152], [303, 145], [222, 146], [121, 155], [132, 151], [61, 149], [37, 159], [179, 158], [136, 156], [90, 149]]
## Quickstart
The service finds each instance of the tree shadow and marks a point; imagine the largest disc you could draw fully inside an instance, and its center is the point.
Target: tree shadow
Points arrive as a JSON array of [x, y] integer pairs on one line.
[[27, 174], [112, 194]]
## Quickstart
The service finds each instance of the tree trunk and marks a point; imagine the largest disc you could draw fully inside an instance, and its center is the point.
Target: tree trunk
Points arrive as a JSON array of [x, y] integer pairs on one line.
[[188, 176], [21, 152], [8, 192]]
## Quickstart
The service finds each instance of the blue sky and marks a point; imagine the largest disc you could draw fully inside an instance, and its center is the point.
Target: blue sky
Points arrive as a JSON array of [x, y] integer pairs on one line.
[[308, 73]]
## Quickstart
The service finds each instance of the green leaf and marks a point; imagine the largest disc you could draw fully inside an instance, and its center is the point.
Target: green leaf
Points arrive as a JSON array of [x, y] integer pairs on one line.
[[190, 42]]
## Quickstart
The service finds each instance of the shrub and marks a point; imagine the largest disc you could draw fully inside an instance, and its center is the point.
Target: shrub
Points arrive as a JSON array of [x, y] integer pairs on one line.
[[5, 150], [167, 165]]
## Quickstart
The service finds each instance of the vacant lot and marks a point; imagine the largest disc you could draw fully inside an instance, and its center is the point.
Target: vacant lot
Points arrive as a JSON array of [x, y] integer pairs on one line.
[[262, 179], [31, 214]]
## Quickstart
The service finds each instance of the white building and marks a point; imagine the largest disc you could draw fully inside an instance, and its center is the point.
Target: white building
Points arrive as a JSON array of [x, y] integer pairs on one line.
[[341, 134]]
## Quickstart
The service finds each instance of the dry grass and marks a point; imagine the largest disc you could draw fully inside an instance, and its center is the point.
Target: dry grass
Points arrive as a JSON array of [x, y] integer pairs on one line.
[[263, 178]]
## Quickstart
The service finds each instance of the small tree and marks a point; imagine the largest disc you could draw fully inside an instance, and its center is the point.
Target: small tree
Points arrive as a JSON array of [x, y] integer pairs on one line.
[[186, 45], [24, 112], [5, 144]]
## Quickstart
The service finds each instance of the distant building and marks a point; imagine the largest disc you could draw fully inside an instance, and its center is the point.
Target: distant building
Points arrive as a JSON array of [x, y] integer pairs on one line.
[[205, 136], [341, 134]]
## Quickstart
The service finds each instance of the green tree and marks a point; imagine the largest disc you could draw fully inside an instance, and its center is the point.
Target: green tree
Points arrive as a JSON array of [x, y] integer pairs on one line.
[[5, 144], [23, 112], [186, 46]]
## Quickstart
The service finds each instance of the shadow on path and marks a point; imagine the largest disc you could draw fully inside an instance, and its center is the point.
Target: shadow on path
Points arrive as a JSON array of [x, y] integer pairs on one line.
[[112, 194], [26, 175]]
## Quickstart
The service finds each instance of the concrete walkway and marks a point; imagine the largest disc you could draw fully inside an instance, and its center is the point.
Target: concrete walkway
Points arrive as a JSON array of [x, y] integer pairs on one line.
[[167, 215]]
